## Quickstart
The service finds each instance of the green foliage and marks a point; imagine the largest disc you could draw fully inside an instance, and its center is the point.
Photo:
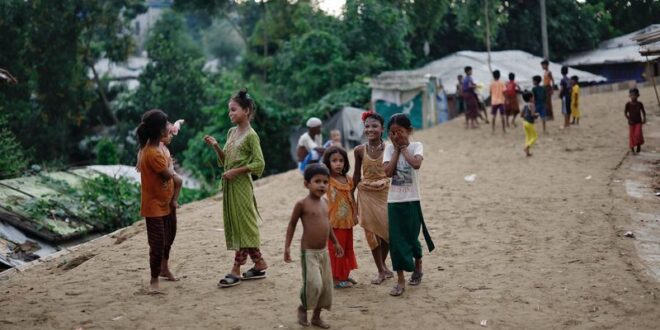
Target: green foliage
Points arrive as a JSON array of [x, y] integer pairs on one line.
[[224, 43], [106, 152], [356, 94], [14, 159], [113, 202]]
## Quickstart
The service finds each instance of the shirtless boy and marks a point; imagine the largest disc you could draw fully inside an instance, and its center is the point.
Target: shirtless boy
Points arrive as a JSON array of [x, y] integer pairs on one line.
[[312, 211]]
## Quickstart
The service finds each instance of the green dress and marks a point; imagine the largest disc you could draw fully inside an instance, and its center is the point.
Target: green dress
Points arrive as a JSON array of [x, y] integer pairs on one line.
[[239, 207]]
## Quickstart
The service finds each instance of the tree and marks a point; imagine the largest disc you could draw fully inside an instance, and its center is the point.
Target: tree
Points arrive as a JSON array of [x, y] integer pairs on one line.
[[627, 15], [14, 159]]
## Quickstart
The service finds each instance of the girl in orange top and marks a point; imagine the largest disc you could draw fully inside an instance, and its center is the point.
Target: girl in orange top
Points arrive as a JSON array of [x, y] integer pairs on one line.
[[157, 187], [342, 215]]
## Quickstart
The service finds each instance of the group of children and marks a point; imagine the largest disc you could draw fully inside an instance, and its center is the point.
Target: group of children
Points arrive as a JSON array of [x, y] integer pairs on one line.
[[388, 204]]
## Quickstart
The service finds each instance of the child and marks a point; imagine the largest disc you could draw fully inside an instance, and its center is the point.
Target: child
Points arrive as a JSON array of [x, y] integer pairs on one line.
[[316, 292], [335, 139], [528, 115], [539, 99], [575, 101], [402, 160], [511, 99], [157, 189], [636, 116], [241, 158], [342, 215], [565, 96], [470, 99], [548, 82], [460, 104], [497, 99], [372, 193]]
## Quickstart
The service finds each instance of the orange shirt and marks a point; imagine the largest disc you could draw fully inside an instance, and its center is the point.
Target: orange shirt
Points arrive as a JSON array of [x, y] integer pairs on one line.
[[341, 206], [497, 88], [156, 192]]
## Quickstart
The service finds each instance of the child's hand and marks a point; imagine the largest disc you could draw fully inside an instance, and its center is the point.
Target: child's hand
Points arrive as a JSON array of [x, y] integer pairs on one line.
[[211, 141], [339, 251], [230, 174], [174, 205], [287, 255]]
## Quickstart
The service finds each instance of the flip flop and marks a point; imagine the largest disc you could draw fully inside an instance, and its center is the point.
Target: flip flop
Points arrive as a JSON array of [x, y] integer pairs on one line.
[[415, 278], [254, 274], [229, 281], [352, 280], [397, 290], [378, 280], [343, 285]]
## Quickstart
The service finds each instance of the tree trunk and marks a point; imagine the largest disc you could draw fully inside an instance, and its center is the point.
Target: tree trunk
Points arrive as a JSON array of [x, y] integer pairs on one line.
[[100, 89]]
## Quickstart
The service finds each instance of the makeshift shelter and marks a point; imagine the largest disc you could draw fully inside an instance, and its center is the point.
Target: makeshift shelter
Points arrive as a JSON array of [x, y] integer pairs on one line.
[[649, 43], [348, 121], [401, 86], [618, 59]]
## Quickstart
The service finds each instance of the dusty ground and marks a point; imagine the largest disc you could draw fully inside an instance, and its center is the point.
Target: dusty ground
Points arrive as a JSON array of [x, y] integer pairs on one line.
[[530, 244]]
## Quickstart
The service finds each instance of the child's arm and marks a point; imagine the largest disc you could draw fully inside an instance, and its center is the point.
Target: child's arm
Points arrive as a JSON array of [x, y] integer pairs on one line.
[[643, 114], [626, 112], [295, 215], [178, 183], [390, 166], [414, 160], [211, 141], [339, 250], [357, 169]]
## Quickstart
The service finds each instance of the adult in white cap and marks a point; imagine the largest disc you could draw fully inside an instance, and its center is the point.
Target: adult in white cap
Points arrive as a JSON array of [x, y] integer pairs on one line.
[[310, 144]]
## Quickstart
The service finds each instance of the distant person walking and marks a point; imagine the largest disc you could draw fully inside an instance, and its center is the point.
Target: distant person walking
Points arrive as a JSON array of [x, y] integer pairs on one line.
[[511, 106], [565, 96], [529, 115], [575, 101], [636, 116], [497, 88], [470, 99], [539, 99], [548, 83]]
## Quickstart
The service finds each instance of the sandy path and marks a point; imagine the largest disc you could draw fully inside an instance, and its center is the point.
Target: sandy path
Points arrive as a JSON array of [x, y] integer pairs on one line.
[[530, 244]]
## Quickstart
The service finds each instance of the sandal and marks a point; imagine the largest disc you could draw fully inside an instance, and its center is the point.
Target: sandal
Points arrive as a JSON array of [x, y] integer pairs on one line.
[[397, 290], [343, 285], [229, 281], [352, 280], [416, 278], [254, 274], [378, 280]]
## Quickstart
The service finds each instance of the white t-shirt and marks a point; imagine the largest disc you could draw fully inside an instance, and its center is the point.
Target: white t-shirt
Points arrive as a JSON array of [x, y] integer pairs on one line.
[[404, 186], [310, 144]]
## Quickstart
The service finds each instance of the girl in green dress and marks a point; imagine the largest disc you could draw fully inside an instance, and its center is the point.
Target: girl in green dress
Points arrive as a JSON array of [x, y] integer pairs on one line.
[[240, 158]]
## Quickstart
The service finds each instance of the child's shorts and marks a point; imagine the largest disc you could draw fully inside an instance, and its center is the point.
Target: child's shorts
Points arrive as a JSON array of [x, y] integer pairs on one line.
[[494, 109], [540, 109]]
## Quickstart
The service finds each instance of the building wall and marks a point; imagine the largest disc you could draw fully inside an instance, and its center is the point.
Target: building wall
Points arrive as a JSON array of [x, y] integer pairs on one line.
[[619, 71]]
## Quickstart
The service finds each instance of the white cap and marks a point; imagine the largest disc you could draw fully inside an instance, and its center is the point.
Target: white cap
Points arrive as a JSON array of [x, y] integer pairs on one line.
[[313, 122]]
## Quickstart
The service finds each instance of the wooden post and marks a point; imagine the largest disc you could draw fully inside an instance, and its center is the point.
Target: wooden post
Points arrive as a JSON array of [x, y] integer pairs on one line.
[[652, 74], [487, 33]]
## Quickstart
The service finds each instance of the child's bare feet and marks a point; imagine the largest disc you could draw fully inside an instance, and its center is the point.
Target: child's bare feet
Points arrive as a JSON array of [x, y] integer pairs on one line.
[[302, 317], [320, 323], [167, 274], [153, 285], [380, 278]]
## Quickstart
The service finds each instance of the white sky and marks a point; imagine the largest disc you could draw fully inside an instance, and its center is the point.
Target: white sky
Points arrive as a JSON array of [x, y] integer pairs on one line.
[[332, 7]]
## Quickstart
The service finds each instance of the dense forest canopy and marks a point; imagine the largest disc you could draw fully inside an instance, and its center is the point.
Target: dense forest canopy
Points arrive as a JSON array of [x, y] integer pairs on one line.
[[295, 59]]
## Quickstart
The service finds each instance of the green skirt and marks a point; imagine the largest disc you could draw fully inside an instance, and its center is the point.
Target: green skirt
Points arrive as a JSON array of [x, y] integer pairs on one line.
[[405, 221]]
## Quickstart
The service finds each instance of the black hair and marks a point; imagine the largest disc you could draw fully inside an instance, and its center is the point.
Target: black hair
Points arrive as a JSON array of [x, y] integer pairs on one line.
[[574, 78], [245, 101], [496, 74], [336, 150], [512, 76], [545, 62], [527, 95], [536, 79], [376, 116], [154, 122], [634, 91], [315, 169], [459, 76], [401, 120], [564, 70], [467, 68]]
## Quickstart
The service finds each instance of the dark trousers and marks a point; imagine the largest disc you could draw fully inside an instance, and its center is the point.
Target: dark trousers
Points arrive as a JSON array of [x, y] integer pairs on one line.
[[241, 256], [160, 235]]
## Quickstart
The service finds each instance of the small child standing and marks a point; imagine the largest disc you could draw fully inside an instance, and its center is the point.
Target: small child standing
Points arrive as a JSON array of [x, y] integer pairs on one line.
[[636, 116], [575, 101], [335, 139], [565, 96], [497, 88], [312, 211], [528, 115], [539, 99], [511, 100], [402, 160], [342, 215]]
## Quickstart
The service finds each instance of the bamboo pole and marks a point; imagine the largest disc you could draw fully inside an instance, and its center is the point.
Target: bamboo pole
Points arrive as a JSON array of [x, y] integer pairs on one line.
[[651, 73]]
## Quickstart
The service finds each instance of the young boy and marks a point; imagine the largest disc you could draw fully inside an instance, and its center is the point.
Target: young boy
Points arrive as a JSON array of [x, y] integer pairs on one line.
[[528, 115], [316, 292], [636, 116], [335, 139], [497, 99], [548, 82], [565, 96], [539, 99], [575, 98]]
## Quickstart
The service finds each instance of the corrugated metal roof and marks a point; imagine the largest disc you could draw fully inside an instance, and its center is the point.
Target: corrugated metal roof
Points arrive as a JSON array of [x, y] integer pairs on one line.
[[523, 64], [622, 49]]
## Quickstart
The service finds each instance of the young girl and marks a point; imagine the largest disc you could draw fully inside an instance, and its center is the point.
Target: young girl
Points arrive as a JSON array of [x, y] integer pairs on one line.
[[636, 116], [342, 215], [575, 101], [157, 187], [372, 192], [402, 160], [241, 158], [528, 116], [511, 99]]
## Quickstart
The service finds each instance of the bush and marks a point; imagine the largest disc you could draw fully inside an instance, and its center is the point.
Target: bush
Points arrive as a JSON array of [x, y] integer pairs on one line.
[[13, 160], [106, 152]]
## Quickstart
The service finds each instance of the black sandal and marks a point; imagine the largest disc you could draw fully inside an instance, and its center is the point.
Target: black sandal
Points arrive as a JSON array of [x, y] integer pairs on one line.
[[415, 278], [229, 281], [254, 274]]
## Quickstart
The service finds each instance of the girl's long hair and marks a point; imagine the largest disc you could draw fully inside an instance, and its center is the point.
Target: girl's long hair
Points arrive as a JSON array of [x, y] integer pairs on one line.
[[154, 122], [335, 150]]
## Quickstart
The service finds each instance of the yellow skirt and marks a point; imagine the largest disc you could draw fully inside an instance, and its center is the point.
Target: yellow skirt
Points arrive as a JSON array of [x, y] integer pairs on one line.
[[530, 133]]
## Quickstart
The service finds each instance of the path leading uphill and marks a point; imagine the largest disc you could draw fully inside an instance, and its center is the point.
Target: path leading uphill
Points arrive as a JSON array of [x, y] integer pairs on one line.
[[532, 243]]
